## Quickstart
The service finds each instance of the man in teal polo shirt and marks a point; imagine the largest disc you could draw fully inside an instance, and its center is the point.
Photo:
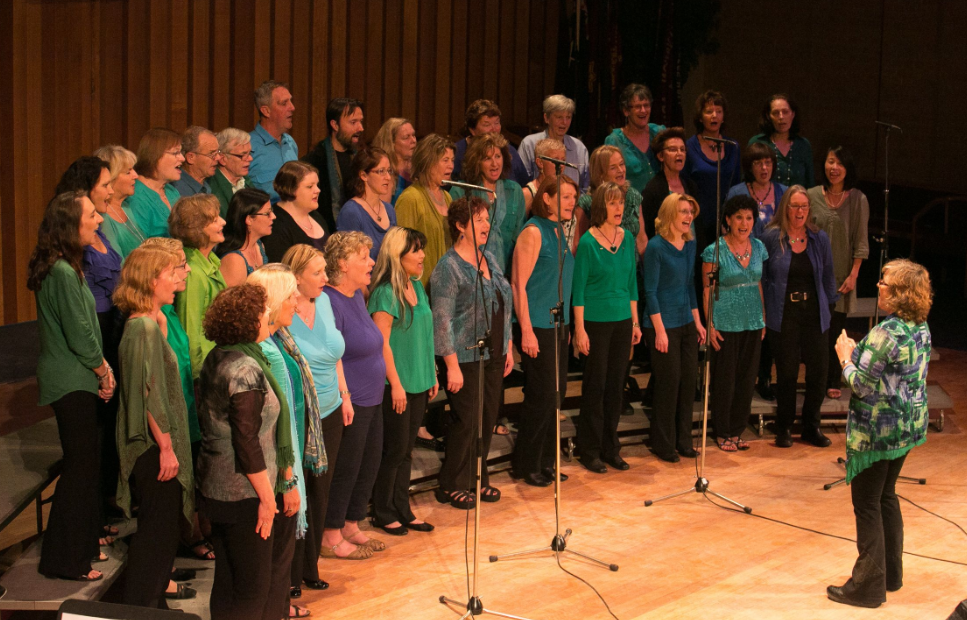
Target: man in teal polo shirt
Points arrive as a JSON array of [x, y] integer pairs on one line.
[[271, 145]]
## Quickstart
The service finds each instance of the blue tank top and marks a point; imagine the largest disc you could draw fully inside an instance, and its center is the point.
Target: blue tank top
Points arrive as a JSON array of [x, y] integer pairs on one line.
[[542, 285]]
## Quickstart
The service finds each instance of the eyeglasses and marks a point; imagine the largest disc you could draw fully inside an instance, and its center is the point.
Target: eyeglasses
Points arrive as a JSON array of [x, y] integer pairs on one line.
[[260, 214], [798, 207], [243, 156], [211, 155], [674, 149], [640, 106], [182, 266], [173, 153], [380, 171], [764, 163]]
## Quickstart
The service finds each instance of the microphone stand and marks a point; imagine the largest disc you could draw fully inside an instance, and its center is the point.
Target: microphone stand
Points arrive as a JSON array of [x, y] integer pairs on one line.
[[474, 605], [885, 239], [701, 482], [559, 541]]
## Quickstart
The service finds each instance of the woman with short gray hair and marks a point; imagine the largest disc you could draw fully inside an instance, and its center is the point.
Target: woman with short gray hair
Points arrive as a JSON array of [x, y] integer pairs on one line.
[[558, 111], [232, 173]]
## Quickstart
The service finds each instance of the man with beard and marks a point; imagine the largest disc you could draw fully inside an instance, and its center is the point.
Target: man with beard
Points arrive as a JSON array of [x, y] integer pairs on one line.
[[200, 148], [333, 156], [271, 145]]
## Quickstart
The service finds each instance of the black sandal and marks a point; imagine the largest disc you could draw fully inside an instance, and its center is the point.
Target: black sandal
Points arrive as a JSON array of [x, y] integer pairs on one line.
[[489, 494], [463, 500], [181, 593]]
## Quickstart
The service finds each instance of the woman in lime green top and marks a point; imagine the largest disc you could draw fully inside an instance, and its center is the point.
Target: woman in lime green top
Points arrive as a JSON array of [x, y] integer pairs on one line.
[[71, 374], [605, 300], [401, 311], [423, 206], [152, 426], [118, 225], [159, 164], [196, 222]]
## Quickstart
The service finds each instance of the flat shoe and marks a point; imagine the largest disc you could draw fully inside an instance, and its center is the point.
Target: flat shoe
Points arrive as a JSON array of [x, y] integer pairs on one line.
[[316, 584], [295, 592], [182, 574], [816, 438], [689, 453], [489, 494], [549, 474], [399, 530], [183, 592], [462, 500], [838, 594], [595, 465], [534, 480], [668, 458], [784, 439], [359, 553], [420, 527], [618, 463]]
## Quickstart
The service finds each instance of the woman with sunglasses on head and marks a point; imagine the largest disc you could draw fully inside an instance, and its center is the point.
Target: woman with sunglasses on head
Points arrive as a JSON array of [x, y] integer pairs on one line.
[[799, 286]]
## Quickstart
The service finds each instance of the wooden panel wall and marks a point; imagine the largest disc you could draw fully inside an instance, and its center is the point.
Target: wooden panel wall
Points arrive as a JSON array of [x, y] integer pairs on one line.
[[77, 74]]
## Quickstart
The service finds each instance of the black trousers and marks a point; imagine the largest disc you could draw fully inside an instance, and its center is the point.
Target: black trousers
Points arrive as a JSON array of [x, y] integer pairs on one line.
[[879, 530], [734, 369], [766, 358], [602, 388], [459, 463], [674, 376], [251, 574], [151, 554], [391, 494], [801, 339], [107, 412], [70, 542], [305, 559], [537, 430], [356, 467], [837, 323]]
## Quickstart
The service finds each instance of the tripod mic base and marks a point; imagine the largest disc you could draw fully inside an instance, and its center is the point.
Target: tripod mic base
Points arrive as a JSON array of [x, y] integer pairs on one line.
[[475, 608], [700, 486]]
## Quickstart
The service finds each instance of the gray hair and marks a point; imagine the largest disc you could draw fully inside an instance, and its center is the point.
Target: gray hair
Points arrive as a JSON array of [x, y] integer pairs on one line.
[[558, 103], [191, 138], [263, 94], [547, 145], [230, 137]]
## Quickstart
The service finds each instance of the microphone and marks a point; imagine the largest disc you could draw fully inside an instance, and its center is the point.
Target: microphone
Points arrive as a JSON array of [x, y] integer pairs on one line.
[[468, 186], [888, 125], [559, 162], [720, 140]]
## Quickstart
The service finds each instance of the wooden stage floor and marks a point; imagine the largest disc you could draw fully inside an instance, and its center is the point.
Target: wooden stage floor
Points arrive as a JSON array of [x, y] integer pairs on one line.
[[683, 558]]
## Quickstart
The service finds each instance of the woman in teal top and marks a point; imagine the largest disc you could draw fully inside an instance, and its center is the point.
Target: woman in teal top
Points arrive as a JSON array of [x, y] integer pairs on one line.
[[779, 130], [71, 374], [487, 163], [282, 293], [118, 225], [401, 310], [673, 327], [634, 139], [159, 165], [739, 323], [605, 300], [887, 373], [321, 345], [196, 223], [542, 260], [608, 166]]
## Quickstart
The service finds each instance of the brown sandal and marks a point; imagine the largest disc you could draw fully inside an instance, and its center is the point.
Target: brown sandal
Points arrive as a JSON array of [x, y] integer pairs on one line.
[[359, 553]]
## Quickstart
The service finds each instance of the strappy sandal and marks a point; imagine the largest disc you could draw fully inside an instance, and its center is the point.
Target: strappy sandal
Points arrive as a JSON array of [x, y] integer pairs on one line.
[[371, 543], [181, 593], [194, 549], [110, 530], [463, 500], [300, 612], [489, 494], [726, 445], [500, 429], [741, 444], [359, 553]]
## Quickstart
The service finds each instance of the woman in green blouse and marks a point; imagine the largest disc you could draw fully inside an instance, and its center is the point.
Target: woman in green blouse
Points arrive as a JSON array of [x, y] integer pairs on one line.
[[487, 163], [779, 130], [401, 311], [423, 205], [196, 222], [887, 373], [159, 164], [71, 374], [152, 427], [605, 299]]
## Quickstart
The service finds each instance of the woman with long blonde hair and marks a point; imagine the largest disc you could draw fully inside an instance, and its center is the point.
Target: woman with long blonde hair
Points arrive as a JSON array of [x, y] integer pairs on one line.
[[397, 137], [401, 310]]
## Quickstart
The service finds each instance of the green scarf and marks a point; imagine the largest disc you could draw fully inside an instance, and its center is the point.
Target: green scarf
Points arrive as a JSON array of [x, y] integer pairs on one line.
[[284, 454]]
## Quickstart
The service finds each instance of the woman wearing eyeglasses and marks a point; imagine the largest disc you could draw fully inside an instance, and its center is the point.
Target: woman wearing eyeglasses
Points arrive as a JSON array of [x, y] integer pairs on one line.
[[670, 150], [158, 166], [249, 219], [371, 178], [799, 284], [232, 173]]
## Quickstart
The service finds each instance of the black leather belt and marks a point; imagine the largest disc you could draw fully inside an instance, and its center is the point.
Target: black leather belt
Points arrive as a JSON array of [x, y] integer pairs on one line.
[[798, 296]]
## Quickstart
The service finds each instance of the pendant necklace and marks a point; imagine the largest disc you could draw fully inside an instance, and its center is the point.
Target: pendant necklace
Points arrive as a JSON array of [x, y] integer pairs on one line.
[[376, 212], [614, 247]]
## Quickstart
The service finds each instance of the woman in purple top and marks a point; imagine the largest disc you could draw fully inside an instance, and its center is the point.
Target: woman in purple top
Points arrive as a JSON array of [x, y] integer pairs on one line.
[[350, 269], [102, 270], [366, 212]]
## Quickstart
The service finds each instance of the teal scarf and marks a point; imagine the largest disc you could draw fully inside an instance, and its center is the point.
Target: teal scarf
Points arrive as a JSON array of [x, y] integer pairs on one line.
[[314, 454], [284, 455]]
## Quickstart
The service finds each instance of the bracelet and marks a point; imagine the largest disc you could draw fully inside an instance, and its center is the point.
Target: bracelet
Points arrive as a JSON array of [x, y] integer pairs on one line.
[[291, 482], [107, 372], [344, 392], [635, 324]]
